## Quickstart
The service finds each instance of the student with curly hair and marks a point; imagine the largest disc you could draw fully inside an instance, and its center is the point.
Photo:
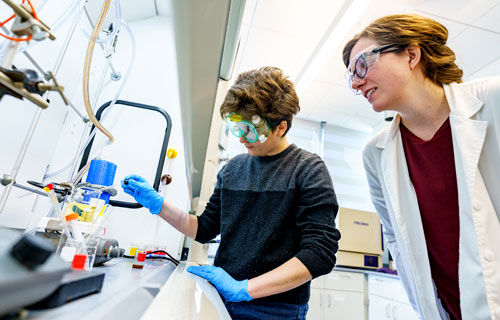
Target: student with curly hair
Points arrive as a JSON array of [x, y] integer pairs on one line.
[[274, 207]]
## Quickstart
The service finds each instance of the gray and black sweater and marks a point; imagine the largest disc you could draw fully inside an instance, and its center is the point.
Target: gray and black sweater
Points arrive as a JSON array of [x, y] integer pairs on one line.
[[269, 210]]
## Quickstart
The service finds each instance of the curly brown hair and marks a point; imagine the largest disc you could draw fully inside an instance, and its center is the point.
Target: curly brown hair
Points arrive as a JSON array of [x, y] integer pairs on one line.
[[265, 92], [437, 59]]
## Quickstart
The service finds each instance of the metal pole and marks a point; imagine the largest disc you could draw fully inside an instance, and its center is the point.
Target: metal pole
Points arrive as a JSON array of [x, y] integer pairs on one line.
[[322, 139], [34, 190], [10, 52], [45, 75], [34, 123], [19, 159], [84, 133], [84, 118]]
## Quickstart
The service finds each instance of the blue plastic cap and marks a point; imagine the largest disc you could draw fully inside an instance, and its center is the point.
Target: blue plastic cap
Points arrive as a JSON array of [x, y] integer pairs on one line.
[[101, 172]]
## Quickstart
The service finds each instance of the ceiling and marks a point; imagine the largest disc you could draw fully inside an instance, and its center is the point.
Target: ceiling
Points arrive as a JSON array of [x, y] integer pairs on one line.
[[290, 34], [293, 35]]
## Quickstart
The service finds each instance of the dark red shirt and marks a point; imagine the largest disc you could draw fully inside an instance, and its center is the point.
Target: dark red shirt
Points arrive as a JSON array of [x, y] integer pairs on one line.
[[431, 166]]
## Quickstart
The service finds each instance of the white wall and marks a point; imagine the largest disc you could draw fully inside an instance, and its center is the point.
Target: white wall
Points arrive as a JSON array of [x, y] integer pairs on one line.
[[342, 154], [153, 81]]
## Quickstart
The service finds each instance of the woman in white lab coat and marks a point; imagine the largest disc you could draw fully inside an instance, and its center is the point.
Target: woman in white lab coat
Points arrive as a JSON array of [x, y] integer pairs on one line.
[[434, 173]]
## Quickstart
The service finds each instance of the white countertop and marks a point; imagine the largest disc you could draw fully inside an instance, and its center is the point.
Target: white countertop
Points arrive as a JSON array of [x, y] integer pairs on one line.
[[366, 271], [187, 296]]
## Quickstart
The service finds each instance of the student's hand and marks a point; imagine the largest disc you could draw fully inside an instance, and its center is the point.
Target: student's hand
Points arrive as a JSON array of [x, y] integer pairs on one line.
[[143, 192], [232, 290]]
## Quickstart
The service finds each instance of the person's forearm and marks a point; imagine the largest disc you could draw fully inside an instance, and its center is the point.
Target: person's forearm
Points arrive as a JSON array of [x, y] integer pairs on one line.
[[180, 220], [289, 275]]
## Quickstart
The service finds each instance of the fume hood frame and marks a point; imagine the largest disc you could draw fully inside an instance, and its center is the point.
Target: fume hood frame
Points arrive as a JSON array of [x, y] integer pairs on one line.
[[163, 153]]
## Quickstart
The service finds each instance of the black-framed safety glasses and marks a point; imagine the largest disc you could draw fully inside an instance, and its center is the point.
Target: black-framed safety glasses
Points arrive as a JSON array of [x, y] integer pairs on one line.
[[363, 61]]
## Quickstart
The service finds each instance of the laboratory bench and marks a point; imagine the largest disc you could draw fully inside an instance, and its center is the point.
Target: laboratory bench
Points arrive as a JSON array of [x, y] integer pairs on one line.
[[158, 290], [162, 290], [126, 292]]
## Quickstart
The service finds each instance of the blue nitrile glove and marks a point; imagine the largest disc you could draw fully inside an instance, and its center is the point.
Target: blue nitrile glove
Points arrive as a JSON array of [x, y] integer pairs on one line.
[[143, 192], [232, 290]]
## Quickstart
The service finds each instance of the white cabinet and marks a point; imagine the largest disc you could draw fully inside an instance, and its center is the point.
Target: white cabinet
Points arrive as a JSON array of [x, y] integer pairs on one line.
[[388, 300], [349, 295], [379, 307], [338, 295], [316, 305]]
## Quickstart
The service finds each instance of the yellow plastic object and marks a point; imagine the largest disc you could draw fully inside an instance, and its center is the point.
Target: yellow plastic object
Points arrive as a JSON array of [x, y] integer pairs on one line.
[[132, 251], [85, 212], [171, 153]]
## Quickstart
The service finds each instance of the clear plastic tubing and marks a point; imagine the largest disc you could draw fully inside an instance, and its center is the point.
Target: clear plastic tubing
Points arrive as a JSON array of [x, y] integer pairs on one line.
[[116, 26]]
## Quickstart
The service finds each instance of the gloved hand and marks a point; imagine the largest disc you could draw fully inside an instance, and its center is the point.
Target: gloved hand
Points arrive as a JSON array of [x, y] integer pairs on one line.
[[232, 290], [143, 192]]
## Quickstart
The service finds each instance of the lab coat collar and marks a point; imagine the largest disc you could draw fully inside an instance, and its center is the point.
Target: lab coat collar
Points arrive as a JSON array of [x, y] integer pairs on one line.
[[461, 102], [390, 132]]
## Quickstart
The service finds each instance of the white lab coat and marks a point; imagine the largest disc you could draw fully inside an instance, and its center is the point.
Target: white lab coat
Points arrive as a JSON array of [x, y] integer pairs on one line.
[[475, 126]]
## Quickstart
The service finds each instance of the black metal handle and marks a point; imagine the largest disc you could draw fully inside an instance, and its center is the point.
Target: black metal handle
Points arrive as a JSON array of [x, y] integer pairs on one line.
[[161, 161]]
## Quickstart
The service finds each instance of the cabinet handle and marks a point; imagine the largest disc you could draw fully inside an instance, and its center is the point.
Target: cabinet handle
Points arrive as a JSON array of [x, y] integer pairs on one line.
[[320, 299], [394, 312], [387, 310], [328, 300]]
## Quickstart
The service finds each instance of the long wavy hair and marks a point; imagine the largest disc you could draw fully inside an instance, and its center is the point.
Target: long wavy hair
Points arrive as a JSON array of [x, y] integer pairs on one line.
[[437, 59]]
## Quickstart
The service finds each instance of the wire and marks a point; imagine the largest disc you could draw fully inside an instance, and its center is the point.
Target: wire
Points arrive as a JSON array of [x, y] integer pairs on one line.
[[60, 20], [149, 256], [33, 12], [164, 258], [11, 17], [165, 252], [16, 39]]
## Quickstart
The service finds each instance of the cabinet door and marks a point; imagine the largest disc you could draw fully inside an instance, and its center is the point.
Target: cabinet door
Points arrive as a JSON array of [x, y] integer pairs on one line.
[[345, 281], [403, 311], [379, 308], [384, 286], [316, 305], [344, 305]]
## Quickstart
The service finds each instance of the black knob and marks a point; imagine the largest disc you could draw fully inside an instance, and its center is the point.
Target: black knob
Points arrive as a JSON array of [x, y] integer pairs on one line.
[[31, 251], [114, 253]]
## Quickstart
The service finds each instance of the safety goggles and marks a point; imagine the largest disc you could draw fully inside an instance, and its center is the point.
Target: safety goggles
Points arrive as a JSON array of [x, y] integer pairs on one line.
[[361, 64], [252, 129]]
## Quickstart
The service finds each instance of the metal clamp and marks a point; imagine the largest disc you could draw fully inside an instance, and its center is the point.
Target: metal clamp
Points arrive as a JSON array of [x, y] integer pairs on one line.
[[26, 24]]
